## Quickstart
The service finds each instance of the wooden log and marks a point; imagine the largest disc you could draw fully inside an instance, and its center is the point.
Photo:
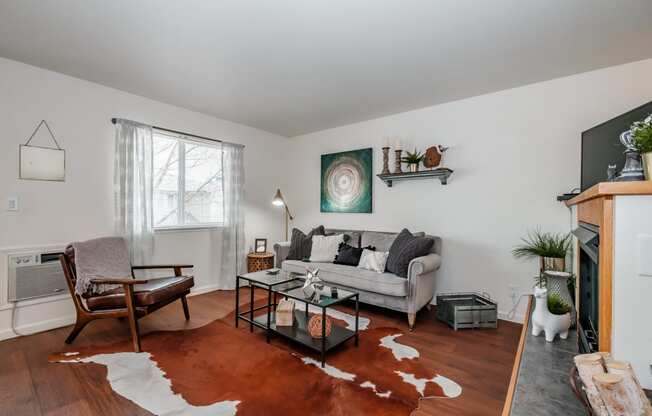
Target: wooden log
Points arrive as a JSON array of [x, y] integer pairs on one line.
[[631, 383], [606, 357], [589, 365], [616, 397]]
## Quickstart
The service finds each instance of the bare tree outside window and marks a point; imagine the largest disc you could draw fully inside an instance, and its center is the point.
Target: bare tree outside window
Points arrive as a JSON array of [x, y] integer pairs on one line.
[[187, 183]]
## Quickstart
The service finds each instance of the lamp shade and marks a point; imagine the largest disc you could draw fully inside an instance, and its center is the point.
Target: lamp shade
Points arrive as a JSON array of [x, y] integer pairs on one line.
[[278, 199]]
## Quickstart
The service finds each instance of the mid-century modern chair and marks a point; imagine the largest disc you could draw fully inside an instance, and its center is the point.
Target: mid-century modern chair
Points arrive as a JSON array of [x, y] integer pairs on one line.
[[135, 299]]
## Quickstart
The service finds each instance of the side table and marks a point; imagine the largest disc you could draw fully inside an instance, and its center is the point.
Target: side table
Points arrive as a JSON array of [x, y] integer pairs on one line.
[[259, 261]]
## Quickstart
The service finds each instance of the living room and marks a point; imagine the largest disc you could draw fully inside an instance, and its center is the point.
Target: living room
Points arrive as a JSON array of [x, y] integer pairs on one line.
[[321, 102]]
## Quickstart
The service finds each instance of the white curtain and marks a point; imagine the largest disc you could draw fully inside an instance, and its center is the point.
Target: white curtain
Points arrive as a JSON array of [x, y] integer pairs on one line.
[[133, 183], [233, 244]]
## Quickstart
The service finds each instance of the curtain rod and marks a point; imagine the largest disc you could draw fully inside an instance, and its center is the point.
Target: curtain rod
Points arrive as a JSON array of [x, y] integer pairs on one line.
[[115, 120]]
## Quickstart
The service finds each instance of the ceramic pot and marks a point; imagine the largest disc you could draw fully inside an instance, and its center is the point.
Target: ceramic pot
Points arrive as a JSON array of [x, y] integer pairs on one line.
[[413, 167], [544, 321], [647, 165], [554, 264], [558, 284]]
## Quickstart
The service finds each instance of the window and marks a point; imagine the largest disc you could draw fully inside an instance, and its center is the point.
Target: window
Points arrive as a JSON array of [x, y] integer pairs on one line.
[[187, 183]]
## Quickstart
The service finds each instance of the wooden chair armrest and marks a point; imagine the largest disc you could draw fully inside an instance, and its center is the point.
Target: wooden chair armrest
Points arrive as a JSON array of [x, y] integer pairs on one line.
[[118, 281], [163, 266]]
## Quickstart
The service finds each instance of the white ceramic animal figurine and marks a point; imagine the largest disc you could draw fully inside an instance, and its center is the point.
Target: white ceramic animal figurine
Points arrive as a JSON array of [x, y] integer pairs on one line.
[[543, 320]]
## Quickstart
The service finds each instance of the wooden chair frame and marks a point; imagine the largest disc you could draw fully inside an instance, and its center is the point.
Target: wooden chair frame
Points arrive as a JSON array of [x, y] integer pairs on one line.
[[132, 312]]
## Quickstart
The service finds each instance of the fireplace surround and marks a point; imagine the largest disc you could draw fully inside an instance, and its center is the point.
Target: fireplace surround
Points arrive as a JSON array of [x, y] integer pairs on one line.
[[588, 324]]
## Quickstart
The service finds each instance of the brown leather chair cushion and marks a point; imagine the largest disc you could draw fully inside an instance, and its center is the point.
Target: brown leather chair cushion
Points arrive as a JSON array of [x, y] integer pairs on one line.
[[155, 291]]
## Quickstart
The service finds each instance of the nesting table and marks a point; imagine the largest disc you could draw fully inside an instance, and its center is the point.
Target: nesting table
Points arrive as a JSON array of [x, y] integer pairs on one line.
[[289, 285]]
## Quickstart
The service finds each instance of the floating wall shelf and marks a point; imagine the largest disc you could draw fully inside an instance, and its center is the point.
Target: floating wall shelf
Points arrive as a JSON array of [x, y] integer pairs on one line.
[[441, 173]]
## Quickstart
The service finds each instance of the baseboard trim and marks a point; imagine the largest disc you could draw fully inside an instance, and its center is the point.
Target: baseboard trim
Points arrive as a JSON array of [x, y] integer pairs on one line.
[[203, 289], [36, 327]]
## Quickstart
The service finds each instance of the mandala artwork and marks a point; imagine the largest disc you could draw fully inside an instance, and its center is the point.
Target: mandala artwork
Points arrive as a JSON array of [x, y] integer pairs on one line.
[[346, 181]]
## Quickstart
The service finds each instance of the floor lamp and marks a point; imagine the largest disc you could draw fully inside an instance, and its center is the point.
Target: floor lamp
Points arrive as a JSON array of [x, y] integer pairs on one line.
[[279, 201]]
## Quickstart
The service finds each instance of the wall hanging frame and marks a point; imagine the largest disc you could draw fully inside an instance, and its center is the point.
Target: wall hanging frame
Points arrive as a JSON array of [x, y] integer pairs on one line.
[[41, 163], [346, 181]]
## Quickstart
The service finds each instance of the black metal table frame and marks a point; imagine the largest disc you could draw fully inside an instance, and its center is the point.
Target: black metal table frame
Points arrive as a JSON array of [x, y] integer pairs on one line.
[[271, 302]]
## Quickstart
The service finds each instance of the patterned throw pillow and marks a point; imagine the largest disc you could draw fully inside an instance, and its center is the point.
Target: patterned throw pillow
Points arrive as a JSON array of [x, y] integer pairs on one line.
[[373, 260], [405, 248], [349, 255], [301, 244], [324, 247]]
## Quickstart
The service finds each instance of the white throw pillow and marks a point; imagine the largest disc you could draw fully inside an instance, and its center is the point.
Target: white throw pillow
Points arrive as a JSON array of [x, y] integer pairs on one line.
[[324, 247], [373, 260]]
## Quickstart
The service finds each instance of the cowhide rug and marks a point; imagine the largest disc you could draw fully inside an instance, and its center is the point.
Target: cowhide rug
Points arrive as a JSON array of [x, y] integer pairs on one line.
[[220, 370]]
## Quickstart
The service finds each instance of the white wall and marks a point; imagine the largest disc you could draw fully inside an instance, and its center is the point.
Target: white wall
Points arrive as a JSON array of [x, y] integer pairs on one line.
[[512, 151], [632, 284], [79, 113]]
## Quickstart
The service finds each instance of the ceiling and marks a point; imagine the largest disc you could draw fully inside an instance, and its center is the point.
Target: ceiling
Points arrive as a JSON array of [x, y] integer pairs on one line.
[[297, 66]]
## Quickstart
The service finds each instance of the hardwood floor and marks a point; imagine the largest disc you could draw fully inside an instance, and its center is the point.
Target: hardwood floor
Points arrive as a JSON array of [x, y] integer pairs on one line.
[[479, 360]]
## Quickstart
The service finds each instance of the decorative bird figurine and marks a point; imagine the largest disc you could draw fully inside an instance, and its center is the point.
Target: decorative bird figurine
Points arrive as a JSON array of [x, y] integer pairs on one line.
[[434, 156]]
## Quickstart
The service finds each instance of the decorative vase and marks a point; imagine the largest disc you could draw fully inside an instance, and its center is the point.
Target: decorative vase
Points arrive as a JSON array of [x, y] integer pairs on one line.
[[413, 167], [558, 284], [544, 321], [647, 165]]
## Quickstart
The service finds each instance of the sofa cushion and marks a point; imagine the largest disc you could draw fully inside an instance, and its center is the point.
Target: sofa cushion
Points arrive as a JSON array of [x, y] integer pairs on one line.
[[381, 240], [301, 244], [351, 237], [405, 248], [348, 255], [353, 277]]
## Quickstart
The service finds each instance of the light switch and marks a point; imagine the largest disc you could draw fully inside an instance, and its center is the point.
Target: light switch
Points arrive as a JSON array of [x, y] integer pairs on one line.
[[12, 203], [645, 255]]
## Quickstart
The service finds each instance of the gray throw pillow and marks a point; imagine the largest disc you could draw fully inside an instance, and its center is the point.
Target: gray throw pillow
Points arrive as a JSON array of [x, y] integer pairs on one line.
[[405, 248], [301, 244]]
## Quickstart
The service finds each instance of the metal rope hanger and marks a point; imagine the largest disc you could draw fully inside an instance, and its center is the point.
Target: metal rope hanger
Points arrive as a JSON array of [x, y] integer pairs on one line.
[[181, 133]]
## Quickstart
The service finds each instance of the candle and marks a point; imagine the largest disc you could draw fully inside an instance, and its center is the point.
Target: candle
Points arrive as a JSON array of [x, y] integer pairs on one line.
[[385, 141], [399, 144]]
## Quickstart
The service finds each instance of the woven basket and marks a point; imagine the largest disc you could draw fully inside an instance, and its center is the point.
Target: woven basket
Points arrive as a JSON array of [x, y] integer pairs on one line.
[[314, 326]]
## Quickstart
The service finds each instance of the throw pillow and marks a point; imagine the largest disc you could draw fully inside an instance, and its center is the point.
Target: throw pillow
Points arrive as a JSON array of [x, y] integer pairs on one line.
[[373, 260], [349, 255], [301, 244], [404, 249], [324, 247]]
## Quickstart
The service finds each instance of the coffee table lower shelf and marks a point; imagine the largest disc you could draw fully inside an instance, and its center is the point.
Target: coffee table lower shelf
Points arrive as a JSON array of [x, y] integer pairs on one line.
[[299, 333]]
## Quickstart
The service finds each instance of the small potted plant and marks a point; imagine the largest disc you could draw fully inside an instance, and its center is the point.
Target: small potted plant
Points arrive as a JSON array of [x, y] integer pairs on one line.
[[550, 248], [551, 315], [641, 132], [413, 159]]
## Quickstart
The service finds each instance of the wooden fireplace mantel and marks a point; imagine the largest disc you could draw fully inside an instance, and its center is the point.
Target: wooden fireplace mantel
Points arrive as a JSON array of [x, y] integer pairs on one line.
[[605, 189], [596, 206]]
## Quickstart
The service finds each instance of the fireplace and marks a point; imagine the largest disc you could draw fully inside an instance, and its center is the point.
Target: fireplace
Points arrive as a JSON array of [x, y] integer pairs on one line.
[[589, 290]]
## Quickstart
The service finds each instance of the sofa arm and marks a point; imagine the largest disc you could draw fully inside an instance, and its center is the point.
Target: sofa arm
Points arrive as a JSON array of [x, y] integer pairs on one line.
[[423, 265], [281, 250], [421, 281]]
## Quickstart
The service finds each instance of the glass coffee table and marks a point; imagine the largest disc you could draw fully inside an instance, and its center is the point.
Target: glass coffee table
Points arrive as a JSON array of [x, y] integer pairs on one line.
[[289, 285]]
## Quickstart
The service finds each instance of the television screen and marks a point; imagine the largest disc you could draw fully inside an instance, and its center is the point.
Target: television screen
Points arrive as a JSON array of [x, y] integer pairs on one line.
[[601, 145]]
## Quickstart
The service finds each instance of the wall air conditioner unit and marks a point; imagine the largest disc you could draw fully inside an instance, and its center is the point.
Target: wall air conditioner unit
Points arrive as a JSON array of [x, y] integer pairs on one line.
[[35, 275]]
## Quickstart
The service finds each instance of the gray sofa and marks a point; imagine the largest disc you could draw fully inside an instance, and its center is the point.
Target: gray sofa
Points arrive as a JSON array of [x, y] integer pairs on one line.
[[381, 289]]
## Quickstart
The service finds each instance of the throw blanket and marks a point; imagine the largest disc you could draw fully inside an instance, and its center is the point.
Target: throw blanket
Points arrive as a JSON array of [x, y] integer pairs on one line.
[[106, 257]]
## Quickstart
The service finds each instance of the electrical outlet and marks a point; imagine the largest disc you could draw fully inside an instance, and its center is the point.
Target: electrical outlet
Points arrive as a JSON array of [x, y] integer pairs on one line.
[[513, 293], [12, 203]]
